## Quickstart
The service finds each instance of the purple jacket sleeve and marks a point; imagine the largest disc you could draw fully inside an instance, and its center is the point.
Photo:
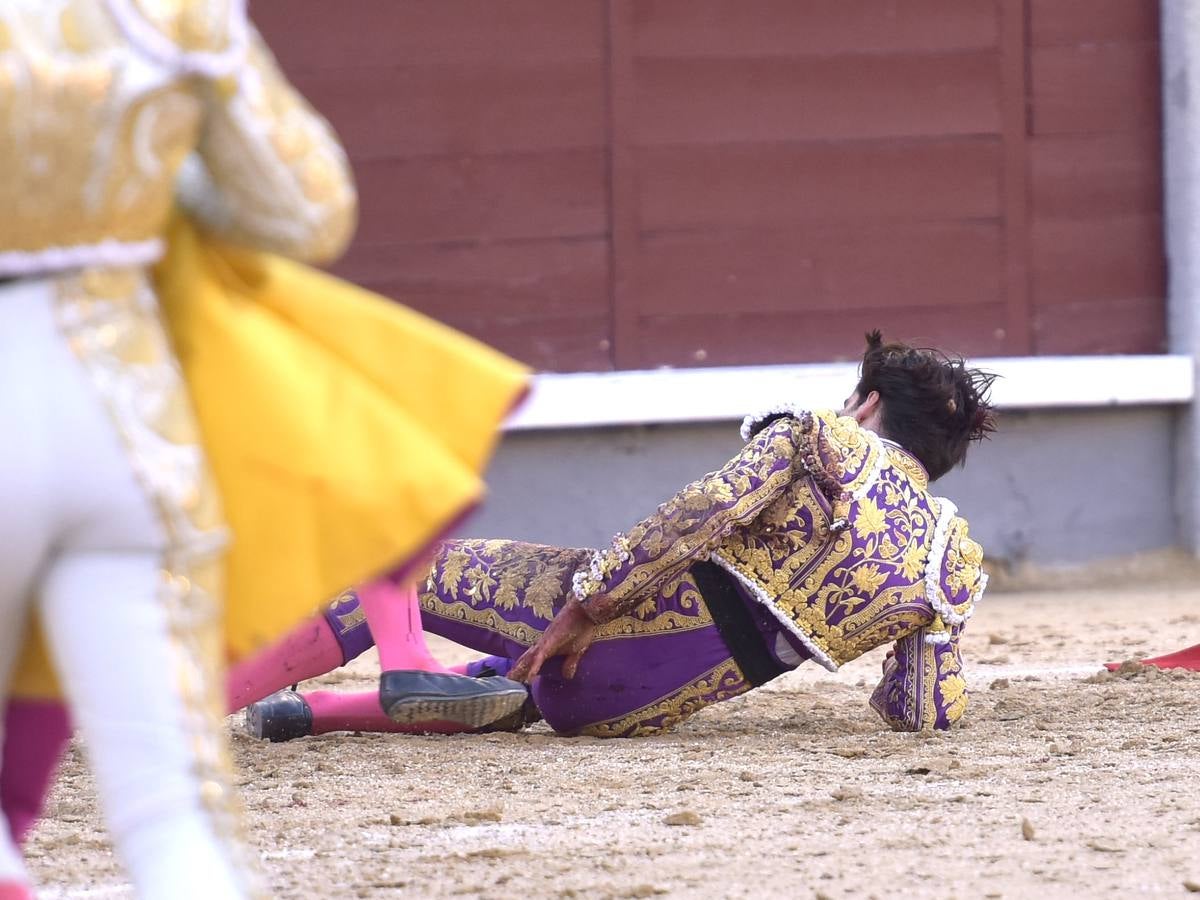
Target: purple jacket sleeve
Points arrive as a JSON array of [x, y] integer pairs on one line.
[[922, 686], [689, 526]]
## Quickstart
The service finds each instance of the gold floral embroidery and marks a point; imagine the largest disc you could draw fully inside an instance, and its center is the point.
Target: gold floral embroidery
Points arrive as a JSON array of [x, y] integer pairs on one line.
[[74, 36], [962, 568], [846, 445], [868, 578], [450, 569], [273, 175], [954, 696], [839, 596], [912, 562], [191, 26], [908, 464], [472, 581], [114, 150], [939, 678], [285, 184], [869, 520], [691, 524], [791, 535]]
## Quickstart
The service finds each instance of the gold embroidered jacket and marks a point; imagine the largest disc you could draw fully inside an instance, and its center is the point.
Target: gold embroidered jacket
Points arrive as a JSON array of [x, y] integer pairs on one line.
[[835, 532], [101, 103]]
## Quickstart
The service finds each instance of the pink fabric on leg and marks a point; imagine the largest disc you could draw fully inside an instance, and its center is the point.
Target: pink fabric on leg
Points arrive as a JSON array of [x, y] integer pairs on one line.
[[394, 616], [307, 651], [36, 734], [360, 711]]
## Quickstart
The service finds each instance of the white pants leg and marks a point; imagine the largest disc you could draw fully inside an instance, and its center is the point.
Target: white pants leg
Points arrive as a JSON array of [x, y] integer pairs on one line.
[[133, 720], [26, 517], [75, 520]]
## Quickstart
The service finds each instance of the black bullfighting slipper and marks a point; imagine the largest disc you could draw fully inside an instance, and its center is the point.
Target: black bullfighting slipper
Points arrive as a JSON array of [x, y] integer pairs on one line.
[[410, 696], [280, 717], [527, 715]]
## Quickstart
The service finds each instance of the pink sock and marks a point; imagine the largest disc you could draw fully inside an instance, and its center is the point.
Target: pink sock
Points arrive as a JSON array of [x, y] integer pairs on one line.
[[394, 616], [309, 650], [360, 711], [36, 734]]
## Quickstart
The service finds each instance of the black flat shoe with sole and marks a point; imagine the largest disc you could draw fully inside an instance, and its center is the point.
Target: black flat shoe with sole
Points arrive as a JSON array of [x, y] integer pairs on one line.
[[412, 697]]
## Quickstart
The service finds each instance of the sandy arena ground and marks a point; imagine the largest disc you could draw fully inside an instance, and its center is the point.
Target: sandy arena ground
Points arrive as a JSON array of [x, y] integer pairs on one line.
[[1062, 783]]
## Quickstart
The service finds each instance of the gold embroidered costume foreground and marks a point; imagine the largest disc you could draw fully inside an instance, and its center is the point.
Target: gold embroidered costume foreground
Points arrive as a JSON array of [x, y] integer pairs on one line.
[[112, 112]]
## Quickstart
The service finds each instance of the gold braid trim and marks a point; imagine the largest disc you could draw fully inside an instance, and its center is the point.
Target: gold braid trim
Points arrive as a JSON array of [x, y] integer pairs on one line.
[[927, 660], [719, 683], [630, 626], [111, 324], [486, 619]]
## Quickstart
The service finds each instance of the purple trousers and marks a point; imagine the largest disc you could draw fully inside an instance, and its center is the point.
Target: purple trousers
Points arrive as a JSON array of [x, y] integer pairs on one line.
[[645, 672]]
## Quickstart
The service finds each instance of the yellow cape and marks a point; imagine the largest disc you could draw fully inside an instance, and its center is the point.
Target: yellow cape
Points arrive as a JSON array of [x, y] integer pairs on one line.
[[346, 433]]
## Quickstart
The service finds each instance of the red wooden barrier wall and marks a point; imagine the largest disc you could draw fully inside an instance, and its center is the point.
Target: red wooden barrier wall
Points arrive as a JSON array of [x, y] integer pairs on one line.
[[591, 184]]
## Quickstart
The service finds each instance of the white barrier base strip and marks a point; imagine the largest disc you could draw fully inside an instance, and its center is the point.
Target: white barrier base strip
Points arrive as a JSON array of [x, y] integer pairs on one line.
[[605, 399]]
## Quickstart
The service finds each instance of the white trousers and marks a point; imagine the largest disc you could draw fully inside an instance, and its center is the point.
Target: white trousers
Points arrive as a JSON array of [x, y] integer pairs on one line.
[[80, 541]]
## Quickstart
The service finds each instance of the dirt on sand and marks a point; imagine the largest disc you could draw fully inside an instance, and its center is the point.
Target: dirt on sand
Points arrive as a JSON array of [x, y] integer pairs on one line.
[[1063, 782]]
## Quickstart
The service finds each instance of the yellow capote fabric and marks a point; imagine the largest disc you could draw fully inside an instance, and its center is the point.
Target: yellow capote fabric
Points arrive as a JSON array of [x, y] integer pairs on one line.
[[346, 433]]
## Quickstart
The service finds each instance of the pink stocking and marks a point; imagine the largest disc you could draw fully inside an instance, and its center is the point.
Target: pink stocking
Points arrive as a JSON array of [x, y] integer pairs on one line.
[[310, 650], [394, 616], [36, 733], [317, 646], [360, 711]]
